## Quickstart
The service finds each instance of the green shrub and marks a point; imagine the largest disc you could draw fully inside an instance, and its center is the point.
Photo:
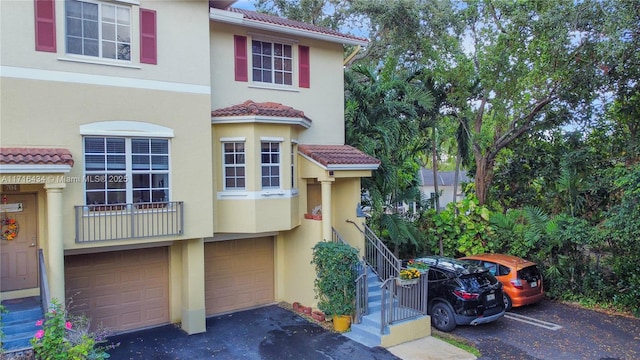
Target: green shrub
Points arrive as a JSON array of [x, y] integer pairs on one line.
[[336, 269], [67, 337]]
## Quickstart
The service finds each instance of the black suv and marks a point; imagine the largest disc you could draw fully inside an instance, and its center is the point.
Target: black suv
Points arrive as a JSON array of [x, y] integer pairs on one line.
[[461, 293]]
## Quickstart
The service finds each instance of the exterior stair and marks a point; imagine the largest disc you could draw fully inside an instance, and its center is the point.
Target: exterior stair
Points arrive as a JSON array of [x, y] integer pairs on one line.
[[19, 322], [368, 331]]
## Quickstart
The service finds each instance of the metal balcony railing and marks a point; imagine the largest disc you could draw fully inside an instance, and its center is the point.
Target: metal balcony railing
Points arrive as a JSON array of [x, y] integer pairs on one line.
[[128, 221]]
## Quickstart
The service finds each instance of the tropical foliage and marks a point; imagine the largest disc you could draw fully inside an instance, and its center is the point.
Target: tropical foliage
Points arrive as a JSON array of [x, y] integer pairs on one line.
[[538, 100], [67, 337], [336, 269]]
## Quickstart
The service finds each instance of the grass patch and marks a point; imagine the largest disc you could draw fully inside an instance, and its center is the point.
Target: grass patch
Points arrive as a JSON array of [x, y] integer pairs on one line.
[[456, 341]]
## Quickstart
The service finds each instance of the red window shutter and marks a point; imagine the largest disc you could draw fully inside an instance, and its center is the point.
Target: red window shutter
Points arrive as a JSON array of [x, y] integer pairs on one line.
[[45, 14], [304, 73], [148, 37], [241, 63]]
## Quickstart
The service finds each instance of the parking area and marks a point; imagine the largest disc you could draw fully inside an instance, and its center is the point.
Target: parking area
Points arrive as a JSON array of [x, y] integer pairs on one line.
[[269, 332]]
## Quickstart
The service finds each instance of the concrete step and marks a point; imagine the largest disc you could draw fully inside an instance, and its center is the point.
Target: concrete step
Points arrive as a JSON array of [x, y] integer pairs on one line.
[[17, 342], [365, 333], [19, 322]]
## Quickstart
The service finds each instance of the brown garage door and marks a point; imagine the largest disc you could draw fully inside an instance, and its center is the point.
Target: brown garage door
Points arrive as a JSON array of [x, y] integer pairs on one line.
[[238, 274], [123, 290]]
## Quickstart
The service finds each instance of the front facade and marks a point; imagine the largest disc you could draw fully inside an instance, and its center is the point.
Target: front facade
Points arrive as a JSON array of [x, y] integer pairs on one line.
[[163, 155]]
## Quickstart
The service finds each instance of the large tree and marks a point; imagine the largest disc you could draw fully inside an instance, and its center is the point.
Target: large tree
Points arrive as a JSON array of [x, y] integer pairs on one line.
[[519, 66]]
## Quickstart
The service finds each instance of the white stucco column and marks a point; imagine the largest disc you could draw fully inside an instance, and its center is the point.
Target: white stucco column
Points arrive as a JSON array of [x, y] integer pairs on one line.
[[55, 244], [326, 209], [193, 295]]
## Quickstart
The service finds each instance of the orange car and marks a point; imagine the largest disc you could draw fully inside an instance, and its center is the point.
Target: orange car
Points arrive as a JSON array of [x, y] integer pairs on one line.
[[521, 280]]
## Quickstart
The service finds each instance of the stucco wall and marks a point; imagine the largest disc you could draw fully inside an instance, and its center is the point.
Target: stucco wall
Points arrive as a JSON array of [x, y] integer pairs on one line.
[[46, 98], [182, 35], [323, 102]]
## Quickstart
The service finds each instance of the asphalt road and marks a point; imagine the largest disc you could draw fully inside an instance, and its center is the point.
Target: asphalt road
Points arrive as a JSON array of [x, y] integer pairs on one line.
[[551, 330]]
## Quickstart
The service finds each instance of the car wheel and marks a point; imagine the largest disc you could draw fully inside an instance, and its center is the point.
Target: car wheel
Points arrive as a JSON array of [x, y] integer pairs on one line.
[[507, 302], [442, 317]]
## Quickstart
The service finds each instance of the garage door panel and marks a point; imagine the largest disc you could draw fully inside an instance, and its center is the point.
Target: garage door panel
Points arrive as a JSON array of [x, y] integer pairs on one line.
[[130, 319], [231, 283], [263, 277], [156, 314], [108, 280], [263, 295], [123, 290], [133, 276], [132, 297]]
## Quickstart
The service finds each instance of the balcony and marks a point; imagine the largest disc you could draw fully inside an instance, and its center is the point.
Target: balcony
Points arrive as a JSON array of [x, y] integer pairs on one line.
[[128, 221]]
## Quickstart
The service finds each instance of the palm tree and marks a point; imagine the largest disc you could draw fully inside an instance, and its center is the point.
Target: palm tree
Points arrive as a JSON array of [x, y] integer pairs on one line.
[[381, 111]]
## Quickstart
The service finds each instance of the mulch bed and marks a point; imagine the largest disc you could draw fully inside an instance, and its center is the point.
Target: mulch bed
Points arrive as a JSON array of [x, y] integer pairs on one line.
[[327, 324]]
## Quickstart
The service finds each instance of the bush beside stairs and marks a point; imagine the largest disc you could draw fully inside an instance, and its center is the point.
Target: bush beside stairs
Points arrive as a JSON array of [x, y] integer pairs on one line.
[[19, 323], [368, 331]]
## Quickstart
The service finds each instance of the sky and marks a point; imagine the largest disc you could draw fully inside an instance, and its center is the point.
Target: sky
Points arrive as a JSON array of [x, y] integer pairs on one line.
[[244, 4]]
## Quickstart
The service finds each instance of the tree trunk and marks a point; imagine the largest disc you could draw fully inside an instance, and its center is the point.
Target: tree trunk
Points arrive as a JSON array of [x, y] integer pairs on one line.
[[434, 160], [484, 176], [456, 178]]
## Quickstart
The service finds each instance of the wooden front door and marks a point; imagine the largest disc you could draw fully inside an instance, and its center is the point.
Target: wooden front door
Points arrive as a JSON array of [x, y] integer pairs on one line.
[[19, 254]]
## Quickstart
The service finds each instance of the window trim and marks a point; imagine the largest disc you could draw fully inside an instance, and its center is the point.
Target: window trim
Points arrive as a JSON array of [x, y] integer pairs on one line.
[[278, 141], [272, 41], [126, 129], [122, 4], [128, 173], [223, 142]]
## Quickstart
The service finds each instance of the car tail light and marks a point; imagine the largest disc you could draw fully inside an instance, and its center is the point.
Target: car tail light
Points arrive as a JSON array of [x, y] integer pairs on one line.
[[466, 295], [517, 284]]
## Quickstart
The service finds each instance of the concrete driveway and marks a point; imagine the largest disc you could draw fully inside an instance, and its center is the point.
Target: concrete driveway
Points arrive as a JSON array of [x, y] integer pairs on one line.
[[269, 332]]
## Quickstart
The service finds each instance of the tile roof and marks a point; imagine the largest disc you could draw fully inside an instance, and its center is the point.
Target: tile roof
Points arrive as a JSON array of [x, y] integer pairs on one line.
[[299, 25], [35, 156], [337, 156], [251, 108]]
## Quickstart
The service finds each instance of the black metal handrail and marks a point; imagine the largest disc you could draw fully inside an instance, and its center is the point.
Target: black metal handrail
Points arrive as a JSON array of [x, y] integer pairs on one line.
[[45, 295]]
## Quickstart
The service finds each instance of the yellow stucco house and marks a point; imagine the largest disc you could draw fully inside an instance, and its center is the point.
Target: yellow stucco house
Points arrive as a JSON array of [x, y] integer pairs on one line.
[[165, 156]]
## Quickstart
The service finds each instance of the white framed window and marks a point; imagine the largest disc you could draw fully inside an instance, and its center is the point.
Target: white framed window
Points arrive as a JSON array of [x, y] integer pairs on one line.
[[122, 170], [272, 62], [270, 164], [98, 29], [234, 165]]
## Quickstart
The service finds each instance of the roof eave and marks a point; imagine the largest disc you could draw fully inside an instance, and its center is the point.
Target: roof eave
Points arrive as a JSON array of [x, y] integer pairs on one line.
[[347, 167], [34, 168], [304, 122], [237, 19]]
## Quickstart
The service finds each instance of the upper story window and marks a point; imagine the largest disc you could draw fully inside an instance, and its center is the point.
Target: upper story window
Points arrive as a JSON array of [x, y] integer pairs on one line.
[[270, 163], [272, 62], [234, 165], [122, 170], [98, 29]]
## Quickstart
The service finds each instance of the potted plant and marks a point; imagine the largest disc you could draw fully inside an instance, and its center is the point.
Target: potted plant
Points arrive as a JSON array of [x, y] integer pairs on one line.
[[409, 276], [336, 264]]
